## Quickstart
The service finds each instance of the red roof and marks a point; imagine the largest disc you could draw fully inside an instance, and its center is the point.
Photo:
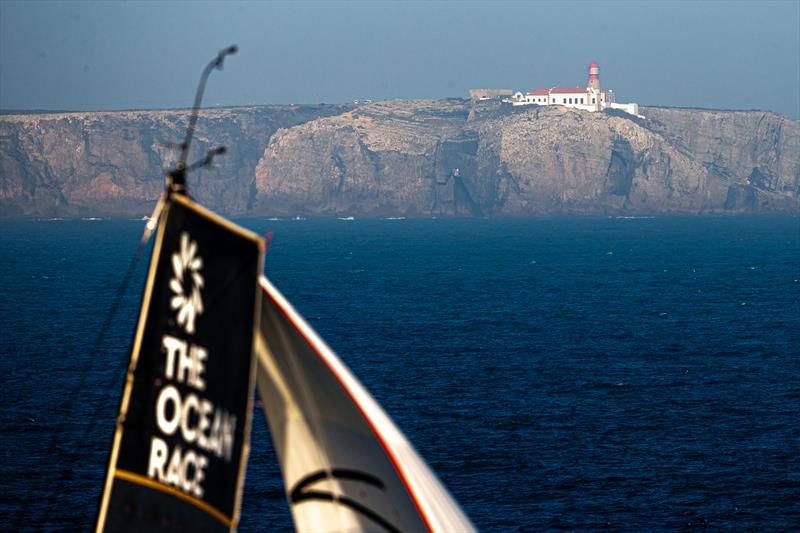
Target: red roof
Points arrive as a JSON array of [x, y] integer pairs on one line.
[[558, 90], [568, 90]]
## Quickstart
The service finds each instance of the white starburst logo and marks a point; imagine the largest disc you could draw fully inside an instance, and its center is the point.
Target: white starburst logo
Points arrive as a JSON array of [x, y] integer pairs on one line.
[[186, 283]]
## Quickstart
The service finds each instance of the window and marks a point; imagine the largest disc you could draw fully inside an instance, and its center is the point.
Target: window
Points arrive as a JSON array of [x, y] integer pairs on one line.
[[581, 100], [593, 101]]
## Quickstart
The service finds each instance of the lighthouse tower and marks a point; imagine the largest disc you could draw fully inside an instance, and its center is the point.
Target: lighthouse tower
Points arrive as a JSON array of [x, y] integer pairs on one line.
[[594, 76]]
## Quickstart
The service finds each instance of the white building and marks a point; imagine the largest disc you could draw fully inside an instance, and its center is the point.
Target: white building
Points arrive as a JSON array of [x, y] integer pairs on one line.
[[589, 98]]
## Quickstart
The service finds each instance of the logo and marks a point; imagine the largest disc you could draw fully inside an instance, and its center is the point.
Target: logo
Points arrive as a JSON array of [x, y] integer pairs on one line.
[[302, 491], [186, 283]]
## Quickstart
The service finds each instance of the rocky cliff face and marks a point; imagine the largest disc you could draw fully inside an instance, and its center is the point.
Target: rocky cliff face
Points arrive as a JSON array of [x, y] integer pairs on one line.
[[408, 158], [378, 159], [113, 164], [449, 157]]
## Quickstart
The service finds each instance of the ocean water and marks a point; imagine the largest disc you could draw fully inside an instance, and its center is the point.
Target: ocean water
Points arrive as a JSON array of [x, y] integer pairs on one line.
[[592, 374]]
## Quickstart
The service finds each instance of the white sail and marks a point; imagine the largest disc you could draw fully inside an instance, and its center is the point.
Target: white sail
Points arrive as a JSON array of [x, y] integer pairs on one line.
[[346, 466]]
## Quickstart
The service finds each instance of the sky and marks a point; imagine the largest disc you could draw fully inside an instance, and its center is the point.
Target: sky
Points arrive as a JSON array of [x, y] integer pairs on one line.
[[140, 55]]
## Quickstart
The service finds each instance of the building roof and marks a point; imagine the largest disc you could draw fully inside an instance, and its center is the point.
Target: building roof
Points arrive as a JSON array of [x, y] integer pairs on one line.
[[568, 90], [558, 90]]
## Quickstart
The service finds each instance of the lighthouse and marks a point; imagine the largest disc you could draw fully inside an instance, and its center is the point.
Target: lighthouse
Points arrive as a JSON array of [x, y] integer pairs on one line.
[[594, 76]]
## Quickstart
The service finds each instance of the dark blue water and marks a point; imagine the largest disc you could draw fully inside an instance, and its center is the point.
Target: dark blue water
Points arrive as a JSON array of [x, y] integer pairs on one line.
[[575, 374]]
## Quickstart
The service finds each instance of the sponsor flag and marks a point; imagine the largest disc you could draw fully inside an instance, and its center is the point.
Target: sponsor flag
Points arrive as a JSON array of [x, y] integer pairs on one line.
[[182, 435]]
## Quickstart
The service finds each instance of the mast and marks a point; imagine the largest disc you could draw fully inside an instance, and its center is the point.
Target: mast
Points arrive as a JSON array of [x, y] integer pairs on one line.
[[176, 178]]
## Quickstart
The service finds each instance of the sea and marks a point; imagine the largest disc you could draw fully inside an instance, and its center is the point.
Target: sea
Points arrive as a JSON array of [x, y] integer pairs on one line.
[[558, 374]]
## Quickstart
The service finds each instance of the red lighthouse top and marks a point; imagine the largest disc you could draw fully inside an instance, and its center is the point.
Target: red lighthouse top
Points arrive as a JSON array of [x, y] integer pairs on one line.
[[594, 71]]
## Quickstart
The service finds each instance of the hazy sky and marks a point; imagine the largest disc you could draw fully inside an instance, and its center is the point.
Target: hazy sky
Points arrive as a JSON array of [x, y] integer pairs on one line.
[[106, 55]]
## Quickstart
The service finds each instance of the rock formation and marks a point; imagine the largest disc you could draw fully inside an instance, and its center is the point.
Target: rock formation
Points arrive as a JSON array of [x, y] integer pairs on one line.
[[407, 158], [113, 164]]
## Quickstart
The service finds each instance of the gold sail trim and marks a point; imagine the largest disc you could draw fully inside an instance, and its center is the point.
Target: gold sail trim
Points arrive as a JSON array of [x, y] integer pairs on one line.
[[153, 484]]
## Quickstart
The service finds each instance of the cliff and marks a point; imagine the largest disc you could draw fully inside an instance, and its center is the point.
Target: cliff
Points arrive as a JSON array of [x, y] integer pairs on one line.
[[407, 158], [113, 164]]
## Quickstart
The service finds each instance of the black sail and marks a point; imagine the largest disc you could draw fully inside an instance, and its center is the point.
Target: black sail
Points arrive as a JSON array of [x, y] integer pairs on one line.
[[182, 436]]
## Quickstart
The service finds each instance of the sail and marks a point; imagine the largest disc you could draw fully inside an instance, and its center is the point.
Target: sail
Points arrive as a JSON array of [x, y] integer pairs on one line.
[[345, 465], [182, 435]]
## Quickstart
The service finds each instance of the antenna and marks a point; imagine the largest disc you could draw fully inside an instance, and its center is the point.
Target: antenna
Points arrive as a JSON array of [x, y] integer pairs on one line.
[[176, 179]]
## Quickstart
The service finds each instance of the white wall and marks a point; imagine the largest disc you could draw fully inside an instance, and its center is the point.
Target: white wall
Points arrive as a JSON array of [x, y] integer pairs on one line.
[[631, 108]]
